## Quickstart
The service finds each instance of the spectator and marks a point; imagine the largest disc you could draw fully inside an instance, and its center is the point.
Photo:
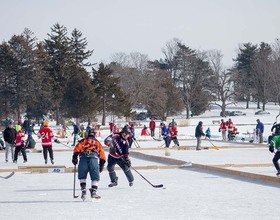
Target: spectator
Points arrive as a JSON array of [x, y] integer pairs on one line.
[[234, 132], [259, 130], [152, 126], [230, 129], [76, 131], [145, 131], [111, 127], [173, 123], [208, 133], [9, 136], [223, 129]]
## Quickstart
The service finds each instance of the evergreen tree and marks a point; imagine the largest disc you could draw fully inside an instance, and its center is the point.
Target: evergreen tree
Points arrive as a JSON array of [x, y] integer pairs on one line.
[[7, 71], [78, 49], [58, 49], [245, 85]]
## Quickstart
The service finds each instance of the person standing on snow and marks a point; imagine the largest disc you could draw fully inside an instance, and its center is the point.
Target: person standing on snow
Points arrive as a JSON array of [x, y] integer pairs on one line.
[[76, 131], [230, 129], [119, 154], [152, 126], [259, 130], [46, 134], [223, 129], [275, 143], [198, 133], [91, 160], [20, 144], [9, 135]]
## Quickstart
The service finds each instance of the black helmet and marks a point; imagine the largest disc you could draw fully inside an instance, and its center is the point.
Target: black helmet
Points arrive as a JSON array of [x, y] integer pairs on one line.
[[91, 132], [125, 130], [200, 123]]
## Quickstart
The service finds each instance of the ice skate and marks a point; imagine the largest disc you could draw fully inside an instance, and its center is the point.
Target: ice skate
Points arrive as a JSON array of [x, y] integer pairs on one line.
[[93, 194], [115, 183], [83, 196]]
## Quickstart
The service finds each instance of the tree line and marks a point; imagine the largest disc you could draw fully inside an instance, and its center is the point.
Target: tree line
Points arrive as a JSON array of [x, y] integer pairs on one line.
[[56, 76]]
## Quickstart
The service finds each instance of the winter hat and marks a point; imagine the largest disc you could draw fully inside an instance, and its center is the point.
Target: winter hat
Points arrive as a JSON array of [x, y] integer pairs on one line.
[[18, 128]]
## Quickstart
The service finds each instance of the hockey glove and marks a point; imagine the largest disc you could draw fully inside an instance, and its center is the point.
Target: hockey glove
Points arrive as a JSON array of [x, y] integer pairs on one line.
[[75, 159], [271, 149], [101, 165], [128, 162]]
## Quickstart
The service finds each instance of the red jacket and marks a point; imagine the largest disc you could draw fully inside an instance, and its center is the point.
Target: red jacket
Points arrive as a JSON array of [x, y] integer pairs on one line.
[[230, 125], [223, 126], [19, 137], [47, 135], [173, 131], [145, 132], [152, 124]]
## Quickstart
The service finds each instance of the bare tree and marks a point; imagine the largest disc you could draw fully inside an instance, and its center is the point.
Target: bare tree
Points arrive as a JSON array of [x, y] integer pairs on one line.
[[222, 84]]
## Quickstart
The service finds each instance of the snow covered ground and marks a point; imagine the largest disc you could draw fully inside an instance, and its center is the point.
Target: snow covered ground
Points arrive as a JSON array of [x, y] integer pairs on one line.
[[187, 193]]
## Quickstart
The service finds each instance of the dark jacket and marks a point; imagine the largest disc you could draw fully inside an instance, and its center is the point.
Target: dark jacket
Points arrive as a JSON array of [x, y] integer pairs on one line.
[[277, 129], [9, 135], [198, 131]]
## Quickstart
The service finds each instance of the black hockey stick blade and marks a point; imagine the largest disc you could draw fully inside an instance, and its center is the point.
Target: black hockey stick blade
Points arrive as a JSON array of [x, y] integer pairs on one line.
[[158, 186], [7, 177], [155, 186]]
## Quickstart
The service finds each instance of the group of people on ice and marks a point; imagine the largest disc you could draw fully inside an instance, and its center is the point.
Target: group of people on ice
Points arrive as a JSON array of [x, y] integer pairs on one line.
[[16, 141], [228, 130]]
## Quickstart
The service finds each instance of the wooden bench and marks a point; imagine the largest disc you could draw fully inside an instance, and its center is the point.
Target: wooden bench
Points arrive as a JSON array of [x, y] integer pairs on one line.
[[216, 122]]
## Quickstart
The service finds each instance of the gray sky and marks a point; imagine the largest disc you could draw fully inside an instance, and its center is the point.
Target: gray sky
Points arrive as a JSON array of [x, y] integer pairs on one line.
[[145, 26]]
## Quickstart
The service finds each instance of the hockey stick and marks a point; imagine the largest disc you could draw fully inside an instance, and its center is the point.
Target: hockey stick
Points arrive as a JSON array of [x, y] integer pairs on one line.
[[136, 143], [155, 186], [74, 187], [66, 145], [7, 177], [157, 139]]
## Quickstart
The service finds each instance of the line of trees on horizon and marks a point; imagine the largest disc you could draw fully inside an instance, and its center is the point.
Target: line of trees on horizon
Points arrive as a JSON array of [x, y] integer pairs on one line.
[[56, 75]]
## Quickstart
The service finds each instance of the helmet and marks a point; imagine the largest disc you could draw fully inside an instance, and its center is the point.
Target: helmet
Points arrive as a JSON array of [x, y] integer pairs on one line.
[[18, 128], [91, 132], [125, 130], [46, 123], [200, 123]]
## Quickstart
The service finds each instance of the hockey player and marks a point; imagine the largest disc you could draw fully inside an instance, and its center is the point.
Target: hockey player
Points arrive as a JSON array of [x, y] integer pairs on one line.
[[275, 143], [165, 134], [174, 132], [118, 154], [20, 136], [46, 134], [91, 160]]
